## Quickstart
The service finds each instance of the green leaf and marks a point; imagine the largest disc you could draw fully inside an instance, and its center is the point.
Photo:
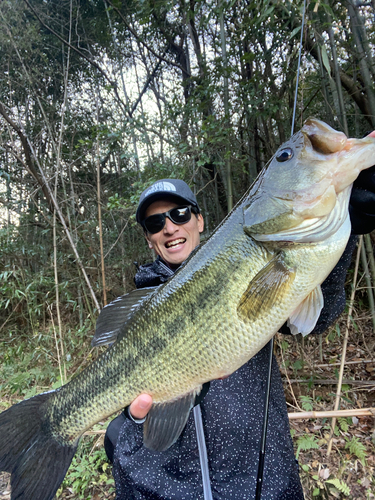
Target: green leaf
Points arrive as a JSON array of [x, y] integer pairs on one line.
[[306, 442], [298, 365], [357, 448], [306, 403], [284, 345], [294, 32], [343, 423], [339, 485], [326, 60]]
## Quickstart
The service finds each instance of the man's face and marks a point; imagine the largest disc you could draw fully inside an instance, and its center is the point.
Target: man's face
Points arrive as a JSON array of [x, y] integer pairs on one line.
[[175, 242]]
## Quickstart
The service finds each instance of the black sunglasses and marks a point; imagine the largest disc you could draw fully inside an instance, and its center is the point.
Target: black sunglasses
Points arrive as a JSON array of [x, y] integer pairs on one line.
[[179, 215]]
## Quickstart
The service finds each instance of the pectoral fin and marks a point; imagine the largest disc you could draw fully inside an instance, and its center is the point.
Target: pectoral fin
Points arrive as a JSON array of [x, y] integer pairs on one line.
[[304, 318], [165, 422], [272, 281]]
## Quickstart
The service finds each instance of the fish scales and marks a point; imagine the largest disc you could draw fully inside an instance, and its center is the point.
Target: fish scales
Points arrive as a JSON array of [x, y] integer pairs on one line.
[[262, 266]]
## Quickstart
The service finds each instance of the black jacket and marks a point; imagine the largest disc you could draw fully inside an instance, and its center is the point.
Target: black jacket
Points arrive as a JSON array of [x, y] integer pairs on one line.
[[232, 416]]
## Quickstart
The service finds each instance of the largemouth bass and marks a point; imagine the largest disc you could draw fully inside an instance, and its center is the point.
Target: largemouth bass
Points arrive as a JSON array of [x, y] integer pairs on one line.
[[262, 266]]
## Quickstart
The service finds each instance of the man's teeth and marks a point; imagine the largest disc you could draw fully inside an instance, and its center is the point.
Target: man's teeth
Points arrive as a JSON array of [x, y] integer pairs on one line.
[[175, 242]]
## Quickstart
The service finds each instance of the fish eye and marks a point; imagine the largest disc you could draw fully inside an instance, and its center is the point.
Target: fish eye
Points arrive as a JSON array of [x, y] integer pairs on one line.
[[284, 155]]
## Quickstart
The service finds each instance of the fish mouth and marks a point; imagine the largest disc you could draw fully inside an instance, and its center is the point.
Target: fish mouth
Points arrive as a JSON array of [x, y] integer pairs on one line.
[[174, 243]]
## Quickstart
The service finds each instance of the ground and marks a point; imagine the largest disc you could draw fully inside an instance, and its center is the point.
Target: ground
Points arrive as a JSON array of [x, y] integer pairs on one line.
[[310, 371]]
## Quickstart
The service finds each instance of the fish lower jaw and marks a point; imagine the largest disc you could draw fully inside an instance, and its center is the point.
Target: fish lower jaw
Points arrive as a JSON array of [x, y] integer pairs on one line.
[[314, 230]]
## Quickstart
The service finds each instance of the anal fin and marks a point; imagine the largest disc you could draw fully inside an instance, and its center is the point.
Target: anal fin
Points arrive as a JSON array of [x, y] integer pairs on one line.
[[306, 315], [165, 422]]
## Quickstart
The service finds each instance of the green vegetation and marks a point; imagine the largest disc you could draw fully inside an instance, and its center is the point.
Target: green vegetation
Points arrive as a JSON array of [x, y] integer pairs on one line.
[[89, 472]]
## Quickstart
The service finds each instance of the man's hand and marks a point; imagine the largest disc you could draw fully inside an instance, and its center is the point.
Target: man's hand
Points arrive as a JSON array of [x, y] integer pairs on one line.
[[362, 202], [140, 406]]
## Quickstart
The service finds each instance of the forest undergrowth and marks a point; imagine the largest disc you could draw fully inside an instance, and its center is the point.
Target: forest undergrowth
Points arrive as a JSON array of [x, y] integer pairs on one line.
[[310, 371]]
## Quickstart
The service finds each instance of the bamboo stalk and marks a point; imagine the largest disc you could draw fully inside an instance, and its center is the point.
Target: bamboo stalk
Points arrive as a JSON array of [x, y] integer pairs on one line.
[[344, 347], [289, 382], [357, 412], [60, 349], [327, 365], [57, 346], [332, 381], [61, 356], [370, 274], [226, 103], [100, 225], [370, 255], [342, 113], [368, 284], [363, 63]]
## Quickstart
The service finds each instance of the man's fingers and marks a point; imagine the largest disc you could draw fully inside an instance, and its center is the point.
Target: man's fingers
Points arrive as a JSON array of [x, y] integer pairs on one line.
[[140, 406]]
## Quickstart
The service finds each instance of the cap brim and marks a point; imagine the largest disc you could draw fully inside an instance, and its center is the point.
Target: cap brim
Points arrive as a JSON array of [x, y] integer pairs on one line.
[[167, 195]]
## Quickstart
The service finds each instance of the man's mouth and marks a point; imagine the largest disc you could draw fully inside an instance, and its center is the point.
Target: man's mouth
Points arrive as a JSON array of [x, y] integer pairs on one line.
[[171, 244]]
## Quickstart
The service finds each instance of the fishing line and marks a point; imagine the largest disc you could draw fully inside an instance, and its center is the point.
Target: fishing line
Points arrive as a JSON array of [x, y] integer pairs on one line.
[[262, 451], [298, 68]]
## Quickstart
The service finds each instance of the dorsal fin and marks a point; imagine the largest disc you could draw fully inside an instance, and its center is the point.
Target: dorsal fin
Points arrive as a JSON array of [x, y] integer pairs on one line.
[[116, 314]]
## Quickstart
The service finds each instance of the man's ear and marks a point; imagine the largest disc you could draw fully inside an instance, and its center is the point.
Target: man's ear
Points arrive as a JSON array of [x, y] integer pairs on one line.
[[200, 223], [148, 241]]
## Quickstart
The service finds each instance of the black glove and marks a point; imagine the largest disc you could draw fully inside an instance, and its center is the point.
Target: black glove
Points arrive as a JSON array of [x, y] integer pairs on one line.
[[362, 202], [199, 397]]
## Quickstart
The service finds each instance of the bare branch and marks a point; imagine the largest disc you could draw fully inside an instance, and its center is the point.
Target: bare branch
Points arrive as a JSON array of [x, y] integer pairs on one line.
[[30, 165], [80, 53], [134, 33]]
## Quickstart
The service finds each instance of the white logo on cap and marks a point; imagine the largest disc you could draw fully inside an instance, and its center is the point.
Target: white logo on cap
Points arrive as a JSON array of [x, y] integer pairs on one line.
[[160, 186]]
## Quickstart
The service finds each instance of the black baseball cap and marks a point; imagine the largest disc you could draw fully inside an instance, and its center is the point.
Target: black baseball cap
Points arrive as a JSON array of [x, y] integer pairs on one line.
[[166, 189]]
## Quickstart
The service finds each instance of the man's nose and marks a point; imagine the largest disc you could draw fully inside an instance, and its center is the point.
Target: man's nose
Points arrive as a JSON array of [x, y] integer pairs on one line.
[[170, 227]]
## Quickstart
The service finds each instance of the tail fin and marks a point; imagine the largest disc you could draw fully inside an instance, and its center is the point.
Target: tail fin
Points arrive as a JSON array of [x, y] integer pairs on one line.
[[36, 461]]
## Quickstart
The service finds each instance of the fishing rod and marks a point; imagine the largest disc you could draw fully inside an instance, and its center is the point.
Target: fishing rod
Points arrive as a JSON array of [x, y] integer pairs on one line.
[[263, 440]]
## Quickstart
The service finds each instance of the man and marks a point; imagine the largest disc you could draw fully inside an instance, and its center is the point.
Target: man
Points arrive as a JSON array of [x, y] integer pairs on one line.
[[224, 464]]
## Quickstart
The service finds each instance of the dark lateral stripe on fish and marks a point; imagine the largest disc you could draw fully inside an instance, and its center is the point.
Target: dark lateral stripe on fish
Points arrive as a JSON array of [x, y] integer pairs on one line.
[[103, 381], [132, 359]]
